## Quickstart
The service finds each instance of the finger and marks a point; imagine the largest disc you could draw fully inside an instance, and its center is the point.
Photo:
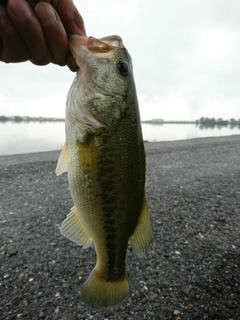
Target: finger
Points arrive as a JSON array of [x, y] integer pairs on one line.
[[71, 63], [71, 18], [12, 47], [68, 13], [73, 23], [55, 34], [30, 30]]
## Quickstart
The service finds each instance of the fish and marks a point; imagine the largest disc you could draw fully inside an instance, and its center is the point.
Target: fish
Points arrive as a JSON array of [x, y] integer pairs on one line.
[[105, 159]]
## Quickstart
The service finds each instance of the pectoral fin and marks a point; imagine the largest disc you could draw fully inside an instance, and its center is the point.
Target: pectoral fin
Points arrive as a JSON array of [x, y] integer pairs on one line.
[[62, 165], [73, 229], [143, 234]]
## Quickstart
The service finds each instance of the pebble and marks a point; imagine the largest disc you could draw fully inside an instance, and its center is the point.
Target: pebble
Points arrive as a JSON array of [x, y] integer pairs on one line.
[[176, 312], [12, 252], [193, 193], [153, 297], [188, 289], [151, 282]]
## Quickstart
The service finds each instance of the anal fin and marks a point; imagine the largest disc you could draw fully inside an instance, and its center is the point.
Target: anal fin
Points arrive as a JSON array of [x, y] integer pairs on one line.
[[73, 229], [143, 234]]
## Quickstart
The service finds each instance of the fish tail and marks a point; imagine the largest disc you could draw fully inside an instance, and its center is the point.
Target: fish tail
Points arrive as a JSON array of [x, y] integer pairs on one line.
[[98, 293]]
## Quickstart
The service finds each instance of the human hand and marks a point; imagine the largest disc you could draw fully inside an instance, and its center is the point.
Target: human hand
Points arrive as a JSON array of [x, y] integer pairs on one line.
[[37, 31]]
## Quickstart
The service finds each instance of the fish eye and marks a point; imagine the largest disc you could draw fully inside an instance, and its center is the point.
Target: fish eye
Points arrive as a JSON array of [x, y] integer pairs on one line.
[[122, 68]]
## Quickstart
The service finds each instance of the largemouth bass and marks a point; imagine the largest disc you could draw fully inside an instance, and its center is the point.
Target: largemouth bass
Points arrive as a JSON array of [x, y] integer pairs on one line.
[[105, 159]]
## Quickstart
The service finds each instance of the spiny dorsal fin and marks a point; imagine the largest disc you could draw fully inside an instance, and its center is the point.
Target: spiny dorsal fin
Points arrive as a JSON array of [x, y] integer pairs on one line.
[[143, 233], [62, 165], [73, 229]]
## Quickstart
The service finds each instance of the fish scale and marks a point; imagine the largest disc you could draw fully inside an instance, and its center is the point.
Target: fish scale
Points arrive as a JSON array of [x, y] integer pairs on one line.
[[105, 159]]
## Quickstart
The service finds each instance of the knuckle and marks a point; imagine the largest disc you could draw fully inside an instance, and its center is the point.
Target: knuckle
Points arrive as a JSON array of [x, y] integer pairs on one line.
[[60, 61], [8, 57], [41, 60]]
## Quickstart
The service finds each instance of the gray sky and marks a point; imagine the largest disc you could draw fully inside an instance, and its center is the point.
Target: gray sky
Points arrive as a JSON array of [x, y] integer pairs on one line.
[[186, 57]]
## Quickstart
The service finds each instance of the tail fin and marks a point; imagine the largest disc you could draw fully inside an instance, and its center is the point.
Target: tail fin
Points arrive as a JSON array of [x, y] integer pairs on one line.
[[98, 293]]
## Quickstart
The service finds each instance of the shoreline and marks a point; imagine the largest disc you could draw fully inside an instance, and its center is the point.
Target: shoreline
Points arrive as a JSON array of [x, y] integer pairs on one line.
[[192, 269], [145, 142]]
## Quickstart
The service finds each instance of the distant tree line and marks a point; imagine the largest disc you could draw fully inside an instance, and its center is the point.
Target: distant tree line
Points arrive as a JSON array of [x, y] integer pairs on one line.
[[28, 119], [202, 122], [211, 122]]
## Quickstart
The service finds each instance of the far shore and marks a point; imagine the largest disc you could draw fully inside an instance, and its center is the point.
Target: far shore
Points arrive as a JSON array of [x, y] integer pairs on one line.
[[202, 122]]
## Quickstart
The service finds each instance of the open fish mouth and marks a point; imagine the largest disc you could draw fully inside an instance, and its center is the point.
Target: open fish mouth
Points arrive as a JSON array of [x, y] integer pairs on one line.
[[84, 47], [103, 45], [87, 51]]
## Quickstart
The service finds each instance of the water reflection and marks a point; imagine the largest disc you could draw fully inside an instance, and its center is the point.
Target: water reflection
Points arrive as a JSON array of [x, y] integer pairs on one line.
[[169, 132], [25, 137]]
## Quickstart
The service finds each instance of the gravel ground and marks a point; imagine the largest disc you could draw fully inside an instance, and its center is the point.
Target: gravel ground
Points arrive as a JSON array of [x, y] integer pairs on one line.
[[192, 269]]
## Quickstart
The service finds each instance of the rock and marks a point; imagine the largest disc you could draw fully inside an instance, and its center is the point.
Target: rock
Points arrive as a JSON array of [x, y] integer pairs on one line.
[[188, 289], [151, 282], [183, 179], [12, 252], [153, 297]]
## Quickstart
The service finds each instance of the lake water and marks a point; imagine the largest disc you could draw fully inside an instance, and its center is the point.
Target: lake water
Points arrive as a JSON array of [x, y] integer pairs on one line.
[[45, 136]]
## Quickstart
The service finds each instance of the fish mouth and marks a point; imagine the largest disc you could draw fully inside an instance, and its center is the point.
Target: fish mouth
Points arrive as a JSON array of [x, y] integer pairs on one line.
[[84, 51], [82, 48], [94, 45]]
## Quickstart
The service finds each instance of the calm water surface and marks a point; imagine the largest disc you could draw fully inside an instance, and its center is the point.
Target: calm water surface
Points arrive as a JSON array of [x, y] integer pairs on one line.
[[25, 137], [170, 132], [45, 136]]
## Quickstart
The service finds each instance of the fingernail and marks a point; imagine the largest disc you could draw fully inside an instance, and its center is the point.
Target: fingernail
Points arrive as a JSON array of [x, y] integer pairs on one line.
[[20, 9]]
